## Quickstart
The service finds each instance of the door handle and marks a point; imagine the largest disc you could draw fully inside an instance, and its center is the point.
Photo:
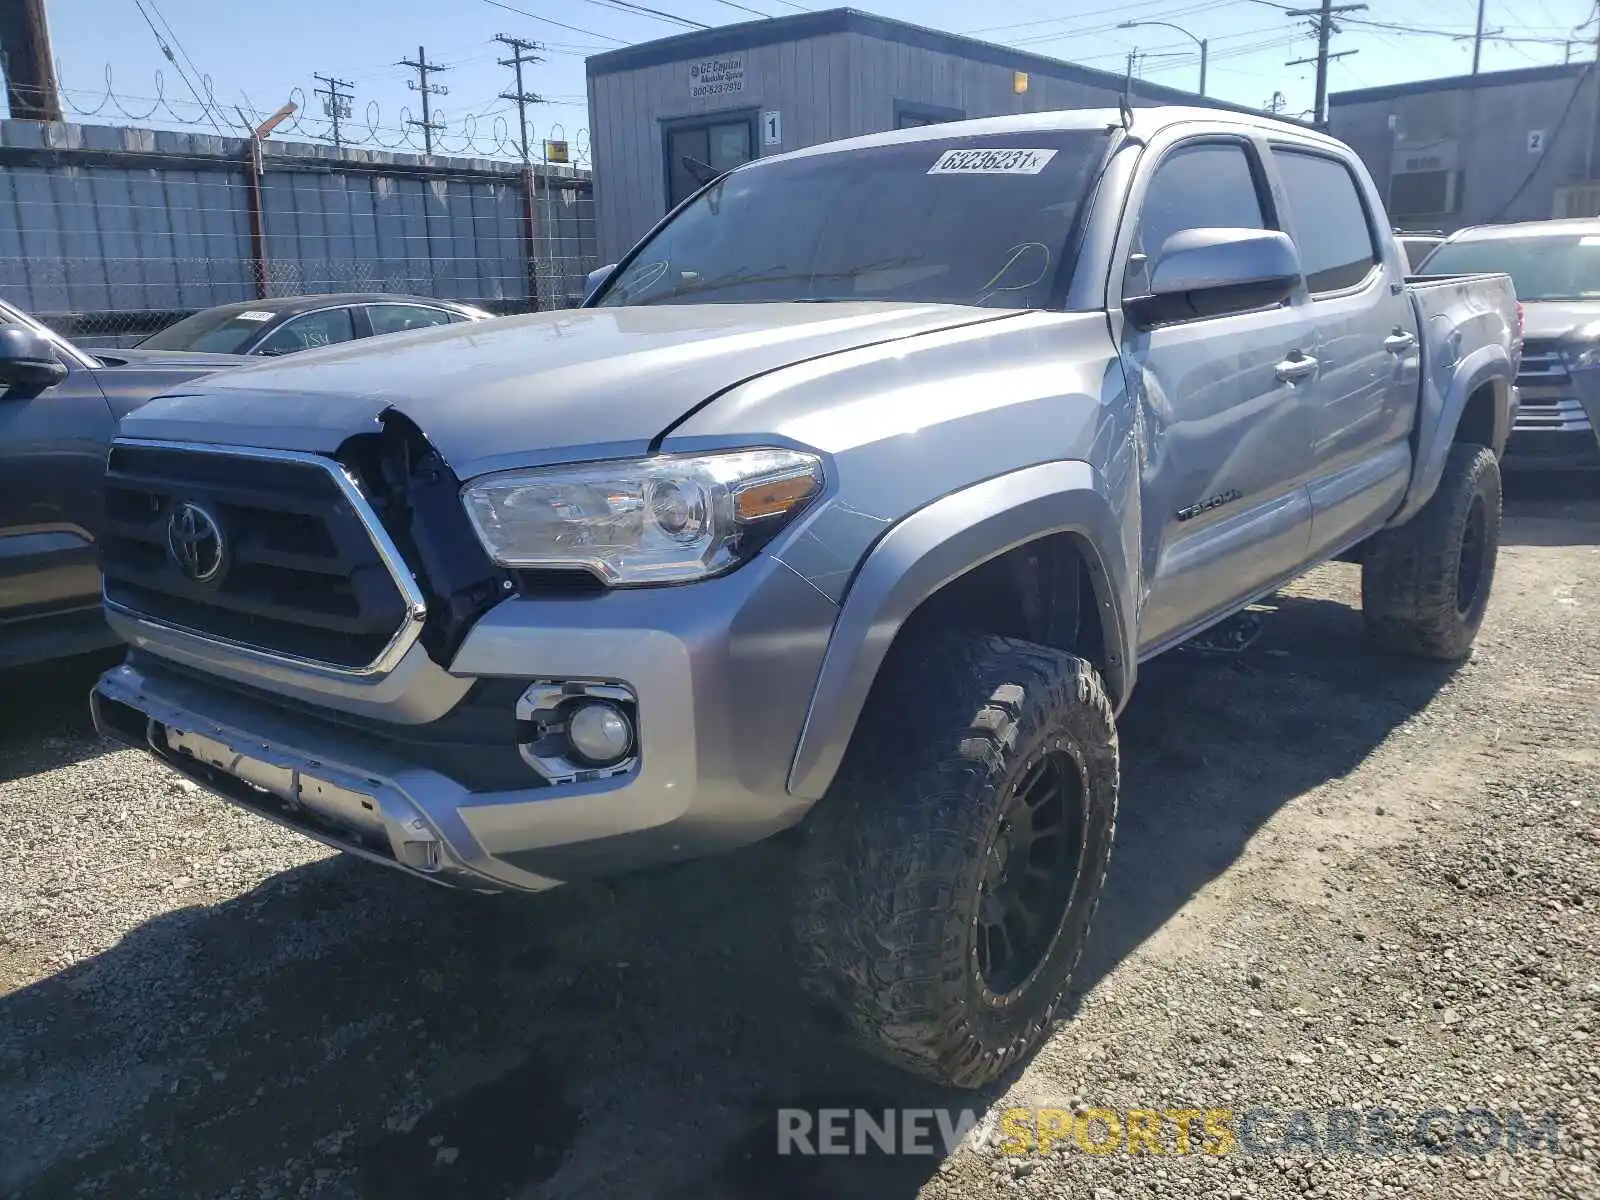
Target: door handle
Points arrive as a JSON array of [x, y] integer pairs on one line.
[[1399, 341], [1296, 367]]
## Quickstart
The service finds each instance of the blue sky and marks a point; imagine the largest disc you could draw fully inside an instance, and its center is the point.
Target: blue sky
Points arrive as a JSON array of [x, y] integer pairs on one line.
[[264, 51]]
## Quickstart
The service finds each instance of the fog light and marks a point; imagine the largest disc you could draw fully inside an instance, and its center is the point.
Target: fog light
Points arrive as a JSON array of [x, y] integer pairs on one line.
[[599, 733]]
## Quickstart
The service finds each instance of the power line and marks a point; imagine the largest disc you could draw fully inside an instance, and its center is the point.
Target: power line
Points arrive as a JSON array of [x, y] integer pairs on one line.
[[644, 10], [1100, 12], [522, 12], [742, 8], [424, 68], [177, 41], [177, 66]]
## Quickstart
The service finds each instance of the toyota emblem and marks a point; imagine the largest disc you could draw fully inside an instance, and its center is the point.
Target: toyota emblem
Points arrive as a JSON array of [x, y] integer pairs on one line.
[[195, 542]]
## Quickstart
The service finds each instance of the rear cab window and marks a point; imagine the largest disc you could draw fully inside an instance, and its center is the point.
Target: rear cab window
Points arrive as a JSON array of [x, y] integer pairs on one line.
[[1331, 224]]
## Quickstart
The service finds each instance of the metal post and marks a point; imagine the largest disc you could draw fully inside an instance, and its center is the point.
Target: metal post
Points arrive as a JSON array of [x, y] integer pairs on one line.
[[1594, 116], [258, 230], [1203, 49]]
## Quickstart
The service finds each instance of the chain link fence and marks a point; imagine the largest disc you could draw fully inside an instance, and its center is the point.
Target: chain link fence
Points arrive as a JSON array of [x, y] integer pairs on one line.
[[108, 243]]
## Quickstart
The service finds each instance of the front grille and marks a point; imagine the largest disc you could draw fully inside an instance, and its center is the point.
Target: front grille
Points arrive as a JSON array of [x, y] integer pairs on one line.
[[301, 575], [1549, 401]]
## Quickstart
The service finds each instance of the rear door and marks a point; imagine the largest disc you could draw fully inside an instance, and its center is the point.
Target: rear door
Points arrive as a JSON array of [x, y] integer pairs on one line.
[[1365, 342], [1224, 426]]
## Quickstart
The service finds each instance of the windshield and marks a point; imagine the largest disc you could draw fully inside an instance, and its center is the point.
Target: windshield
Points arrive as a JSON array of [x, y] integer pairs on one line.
[[1542, 268], [971, 220], [226, 332]]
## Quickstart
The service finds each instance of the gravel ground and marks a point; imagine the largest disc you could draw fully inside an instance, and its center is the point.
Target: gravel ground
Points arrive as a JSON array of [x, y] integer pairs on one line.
[[1340, 882]]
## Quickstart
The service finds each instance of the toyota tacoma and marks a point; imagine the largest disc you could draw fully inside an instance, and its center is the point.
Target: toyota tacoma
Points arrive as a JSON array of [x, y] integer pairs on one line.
[[850, 501]]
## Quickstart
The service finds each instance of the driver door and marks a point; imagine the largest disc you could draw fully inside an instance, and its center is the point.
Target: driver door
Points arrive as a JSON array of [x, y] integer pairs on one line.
[[52, 455], [1225, 423]]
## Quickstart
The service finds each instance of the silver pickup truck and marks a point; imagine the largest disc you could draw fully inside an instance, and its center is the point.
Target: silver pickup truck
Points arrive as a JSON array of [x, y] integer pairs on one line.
[[851, 501]]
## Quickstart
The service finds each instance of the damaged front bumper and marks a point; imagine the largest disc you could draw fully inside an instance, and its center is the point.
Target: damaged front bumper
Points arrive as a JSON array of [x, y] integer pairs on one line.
[[721, 673]]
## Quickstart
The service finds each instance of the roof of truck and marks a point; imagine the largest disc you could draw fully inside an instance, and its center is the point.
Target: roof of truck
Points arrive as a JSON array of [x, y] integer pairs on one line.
[[1146, 123]]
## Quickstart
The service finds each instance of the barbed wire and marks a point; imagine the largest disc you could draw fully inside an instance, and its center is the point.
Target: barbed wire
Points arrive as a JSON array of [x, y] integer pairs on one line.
[[466, 137]]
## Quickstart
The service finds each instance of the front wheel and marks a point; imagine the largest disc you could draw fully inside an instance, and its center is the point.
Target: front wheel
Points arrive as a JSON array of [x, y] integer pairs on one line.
[[1425, 584], [948, 879]]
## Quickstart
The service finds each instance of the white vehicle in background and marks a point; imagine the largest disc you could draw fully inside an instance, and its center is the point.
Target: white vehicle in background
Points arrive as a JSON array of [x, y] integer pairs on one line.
[[1416, 246], [1555, 266]]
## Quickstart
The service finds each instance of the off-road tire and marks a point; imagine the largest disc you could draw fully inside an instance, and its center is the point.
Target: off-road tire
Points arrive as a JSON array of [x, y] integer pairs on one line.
[[892, 862], [1412, 576]]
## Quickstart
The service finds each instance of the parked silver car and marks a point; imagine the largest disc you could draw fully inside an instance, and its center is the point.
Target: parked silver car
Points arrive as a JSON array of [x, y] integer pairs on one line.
[[290, 324], [854, 499]]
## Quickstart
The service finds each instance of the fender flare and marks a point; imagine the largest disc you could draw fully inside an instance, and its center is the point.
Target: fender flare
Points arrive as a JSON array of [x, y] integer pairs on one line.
[[939, 543], [1439, 418]]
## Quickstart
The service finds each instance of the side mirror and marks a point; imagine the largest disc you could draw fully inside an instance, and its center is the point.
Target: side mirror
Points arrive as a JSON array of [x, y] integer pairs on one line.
[[1213, 272], [596, 278], [28, 362]]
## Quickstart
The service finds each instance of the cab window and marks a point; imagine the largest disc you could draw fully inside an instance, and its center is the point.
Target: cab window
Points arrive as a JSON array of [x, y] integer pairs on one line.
[[1208, 185], [1331, 227]]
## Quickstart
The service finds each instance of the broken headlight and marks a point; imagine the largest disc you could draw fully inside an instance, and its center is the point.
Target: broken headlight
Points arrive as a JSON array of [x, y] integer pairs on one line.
[[667, 519]]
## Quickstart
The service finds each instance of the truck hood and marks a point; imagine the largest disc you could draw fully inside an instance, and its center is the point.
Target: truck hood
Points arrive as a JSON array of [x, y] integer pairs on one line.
[[1550, 319], [546, 387]]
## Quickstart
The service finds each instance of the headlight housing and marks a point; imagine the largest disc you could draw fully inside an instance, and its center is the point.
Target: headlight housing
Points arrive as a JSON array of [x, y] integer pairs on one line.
[[668, 519], [1582, 358], [1580, 349]]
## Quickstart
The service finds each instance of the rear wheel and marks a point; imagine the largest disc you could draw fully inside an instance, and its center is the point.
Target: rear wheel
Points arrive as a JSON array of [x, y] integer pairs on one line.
[[1425, 585], [948, 879]]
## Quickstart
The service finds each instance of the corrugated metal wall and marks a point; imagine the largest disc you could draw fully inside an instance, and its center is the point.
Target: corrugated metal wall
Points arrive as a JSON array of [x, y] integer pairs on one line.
[[125, 222], [1516, 138], [808, 81]]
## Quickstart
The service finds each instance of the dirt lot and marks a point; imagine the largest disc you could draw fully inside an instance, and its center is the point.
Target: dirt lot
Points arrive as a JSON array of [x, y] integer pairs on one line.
[[1339, 881]]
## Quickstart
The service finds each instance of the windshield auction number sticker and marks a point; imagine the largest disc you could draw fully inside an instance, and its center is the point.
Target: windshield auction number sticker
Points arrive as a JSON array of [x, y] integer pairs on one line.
[[991, 162]]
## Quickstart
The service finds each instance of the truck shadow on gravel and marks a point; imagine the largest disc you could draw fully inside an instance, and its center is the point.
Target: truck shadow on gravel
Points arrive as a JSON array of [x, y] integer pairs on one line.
[[341, 1032], [44, 715]]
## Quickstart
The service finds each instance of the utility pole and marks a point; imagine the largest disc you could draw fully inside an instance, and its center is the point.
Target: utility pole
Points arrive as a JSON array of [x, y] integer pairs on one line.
[[1477, 39], [336, 103], [1594, 117], [1322, 19], [1133, 63], [26, 62], [424, 68], [522, 53]]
